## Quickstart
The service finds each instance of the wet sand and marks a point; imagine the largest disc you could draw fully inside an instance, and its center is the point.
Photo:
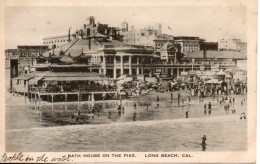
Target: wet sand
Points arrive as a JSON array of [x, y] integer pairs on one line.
[[226, 133]]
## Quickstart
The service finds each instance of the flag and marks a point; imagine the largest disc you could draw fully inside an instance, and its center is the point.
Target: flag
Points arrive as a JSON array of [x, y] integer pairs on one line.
[[169, 28]]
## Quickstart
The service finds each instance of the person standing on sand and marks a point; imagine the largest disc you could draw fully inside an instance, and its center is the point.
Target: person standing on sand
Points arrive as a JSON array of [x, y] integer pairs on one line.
[[98, 110], [209, 107], [209, 111], [134, 116], [119, 112], [123, 109], [187, 113], [203, 143], [134, 105], [205, 109], [109, 114]]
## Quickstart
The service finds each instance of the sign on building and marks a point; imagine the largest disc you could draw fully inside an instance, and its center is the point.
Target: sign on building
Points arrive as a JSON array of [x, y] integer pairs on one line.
[[164, 55], [158, 70], [215, 67]]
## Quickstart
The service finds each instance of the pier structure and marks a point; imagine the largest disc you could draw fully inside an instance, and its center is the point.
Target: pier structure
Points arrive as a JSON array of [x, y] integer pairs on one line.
[[64, 87]]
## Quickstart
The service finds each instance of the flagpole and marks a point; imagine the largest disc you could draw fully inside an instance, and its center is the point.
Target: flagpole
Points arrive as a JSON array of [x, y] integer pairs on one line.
[[170, 29]]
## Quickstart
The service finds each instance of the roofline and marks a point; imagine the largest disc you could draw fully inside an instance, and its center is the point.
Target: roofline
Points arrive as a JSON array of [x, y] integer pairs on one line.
[[186, 37], [41, 45], [57, 36]]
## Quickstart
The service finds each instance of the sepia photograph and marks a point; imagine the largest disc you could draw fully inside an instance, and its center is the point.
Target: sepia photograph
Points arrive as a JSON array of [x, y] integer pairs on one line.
[[124, 78]]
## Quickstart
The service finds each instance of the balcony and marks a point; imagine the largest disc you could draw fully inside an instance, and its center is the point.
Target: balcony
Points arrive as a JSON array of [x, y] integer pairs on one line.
[[85, 89]]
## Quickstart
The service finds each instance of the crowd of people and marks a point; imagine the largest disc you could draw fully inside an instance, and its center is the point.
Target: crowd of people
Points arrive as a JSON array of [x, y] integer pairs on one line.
[[199, 87]]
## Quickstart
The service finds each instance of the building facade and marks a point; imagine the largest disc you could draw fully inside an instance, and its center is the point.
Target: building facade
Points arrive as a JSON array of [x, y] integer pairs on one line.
[[98, 48], [145, 36], [160, 40], [209, 46], [10, 54], [188, 43], [232, 45], [55, 41], [26, 55]]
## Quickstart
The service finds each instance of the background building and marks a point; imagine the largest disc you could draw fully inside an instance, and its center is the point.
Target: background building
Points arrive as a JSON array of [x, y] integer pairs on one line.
[[55, 41], [99, 48], [188, 43], [26, 55], [10, 54], [145, 36], [232, 45], [210, 46], [160, 40]]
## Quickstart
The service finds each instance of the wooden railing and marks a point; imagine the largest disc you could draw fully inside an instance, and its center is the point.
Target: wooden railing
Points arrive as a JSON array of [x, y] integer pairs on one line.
[[86, 89]]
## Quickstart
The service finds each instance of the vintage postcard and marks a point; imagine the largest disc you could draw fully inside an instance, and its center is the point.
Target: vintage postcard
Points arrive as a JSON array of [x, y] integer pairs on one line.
[[128, 81]]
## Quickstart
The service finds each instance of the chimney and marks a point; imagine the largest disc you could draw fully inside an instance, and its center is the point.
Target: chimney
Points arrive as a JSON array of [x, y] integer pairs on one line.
[[88, 31], [204, 53], [69, 35], [85, 26], [89, 44], [91, 20]]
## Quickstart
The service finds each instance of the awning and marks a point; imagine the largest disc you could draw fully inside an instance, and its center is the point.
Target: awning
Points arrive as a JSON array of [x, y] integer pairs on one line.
[[122, 77], [228, 76], [213, 81], [151, 80], [128, 79], [221, 73], [74, 78], [34, 80], [184, 73], [120, 82], [155, 56]]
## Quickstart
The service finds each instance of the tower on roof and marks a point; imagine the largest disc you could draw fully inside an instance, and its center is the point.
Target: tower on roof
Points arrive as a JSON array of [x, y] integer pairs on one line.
[[91, 20], [124, 26]]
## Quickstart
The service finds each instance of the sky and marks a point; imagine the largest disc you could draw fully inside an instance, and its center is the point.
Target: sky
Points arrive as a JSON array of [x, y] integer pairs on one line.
[[29, 25]]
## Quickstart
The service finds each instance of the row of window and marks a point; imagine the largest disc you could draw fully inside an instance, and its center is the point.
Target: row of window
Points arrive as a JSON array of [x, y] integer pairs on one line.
[[129, 40], [191, 49], [28, 54], [140, 34], [56, 41], [190, 45], [158, 45]]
